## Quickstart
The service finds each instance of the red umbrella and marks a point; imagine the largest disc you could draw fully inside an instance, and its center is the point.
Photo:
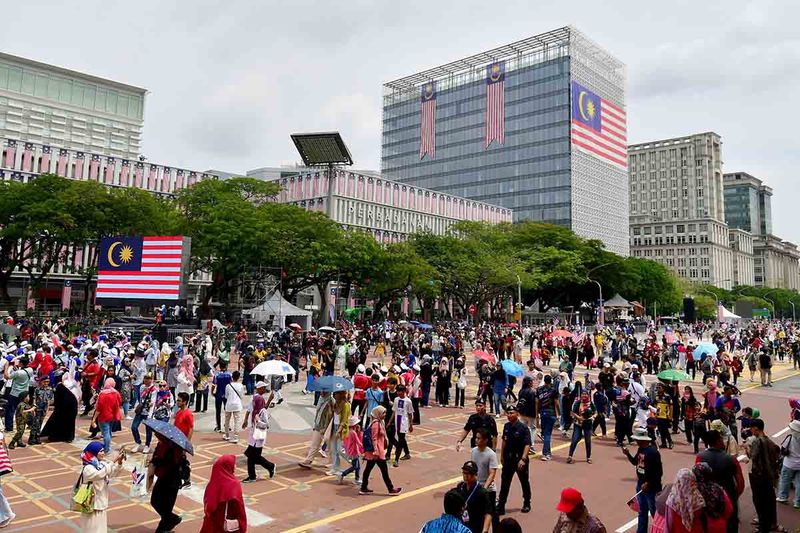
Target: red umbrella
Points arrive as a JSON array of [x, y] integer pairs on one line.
[[295, 326], [562, 333], [511, 325], [486, 356]]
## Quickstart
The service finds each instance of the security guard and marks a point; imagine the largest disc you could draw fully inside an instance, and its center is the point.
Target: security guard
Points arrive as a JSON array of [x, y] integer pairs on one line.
[[514, 446]]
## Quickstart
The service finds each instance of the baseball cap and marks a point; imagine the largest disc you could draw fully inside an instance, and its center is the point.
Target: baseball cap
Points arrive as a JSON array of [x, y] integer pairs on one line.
[[479, 401], [470, 466], [570, 498], [511, 409]]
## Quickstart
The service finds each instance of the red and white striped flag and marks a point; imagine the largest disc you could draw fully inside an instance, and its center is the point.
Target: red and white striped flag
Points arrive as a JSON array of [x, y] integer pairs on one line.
[[109, 174], [79, 165], [496, 103], [11, 152], [151, 179], [94, 167], [427, 144], [166, 176], [44, 162], [61, 164], [124, 173], [27, 157], [140, 267], [138, 174], [66, 295], [599, 127], [179, 180]]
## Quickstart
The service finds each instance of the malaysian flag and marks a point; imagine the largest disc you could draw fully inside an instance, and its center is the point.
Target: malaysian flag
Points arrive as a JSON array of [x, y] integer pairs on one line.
[[94, 167], [496, 103], [427, 143], [11, 150], [140, 268], [598, 127], [138, 174], [179, 180], [151, 178], [78, 165], [44, 162], [61, 165], [108, 178], [27, 157], [124, 173]]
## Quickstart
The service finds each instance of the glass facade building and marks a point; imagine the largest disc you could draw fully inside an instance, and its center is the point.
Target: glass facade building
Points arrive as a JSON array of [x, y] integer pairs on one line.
[[748, 203], [536, 171]]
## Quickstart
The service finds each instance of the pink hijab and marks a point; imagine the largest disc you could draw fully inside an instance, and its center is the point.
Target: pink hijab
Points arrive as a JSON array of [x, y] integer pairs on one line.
[[187, 367]]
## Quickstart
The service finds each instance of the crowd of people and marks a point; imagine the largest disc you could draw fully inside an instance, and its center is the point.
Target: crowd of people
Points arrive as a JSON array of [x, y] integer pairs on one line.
[[55, 376]]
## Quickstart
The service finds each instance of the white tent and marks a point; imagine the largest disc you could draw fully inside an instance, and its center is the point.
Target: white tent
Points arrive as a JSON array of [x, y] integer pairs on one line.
[[723, 315], [280, 312]]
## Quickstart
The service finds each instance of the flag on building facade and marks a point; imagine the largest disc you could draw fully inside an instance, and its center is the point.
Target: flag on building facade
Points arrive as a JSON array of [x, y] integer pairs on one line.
[[599, 127], [78, 165], [108, 178], [27, 157], [11, 152], [44, 166], [61, 165], [66, 294], [94, 167], [496, 103], [427, 142], [140, 268], [124, 173]]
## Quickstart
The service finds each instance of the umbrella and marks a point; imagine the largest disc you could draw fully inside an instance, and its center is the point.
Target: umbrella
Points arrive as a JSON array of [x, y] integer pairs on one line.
[[327, 329], [511, 325], [295, 325], [670, 336], [707, 348], [170, 432], [672, 374], [330, 384], [415, 322], [480, 354], [424, 326], [402, 321], [562, 333], [274, 367], [512, 367]]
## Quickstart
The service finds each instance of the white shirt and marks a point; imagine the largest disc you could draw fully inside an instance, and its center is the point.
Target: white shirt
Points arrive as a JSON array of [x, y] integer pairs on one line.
[[404, 409], [234, 393]]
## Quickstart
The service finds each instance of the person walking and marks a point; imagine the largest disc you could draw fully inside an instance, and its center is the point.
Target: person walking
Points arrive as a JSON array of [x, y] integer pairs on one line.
[[218, 386], [515, 444], [790, 469], [167, 461], [258, 420], [649, 472], [322, 421], [403, 412], [143, 411], [184, 420], [763, 455], [526, 404], [575, 517], [548, 409], [6, 513], [477, 500], [234, 393], [97, 471], [354, 448], [107, 410], [450, 521], [22, 412], [726, 471], [480, 419], [375, 452], [486, 459], [223, 501], [339, 431], [583, 413]]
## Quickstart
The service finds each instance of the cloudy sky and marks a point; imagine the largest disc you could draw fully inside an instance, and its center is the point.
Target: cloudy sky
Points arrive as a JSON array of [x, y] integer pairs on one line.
[[230, 80]]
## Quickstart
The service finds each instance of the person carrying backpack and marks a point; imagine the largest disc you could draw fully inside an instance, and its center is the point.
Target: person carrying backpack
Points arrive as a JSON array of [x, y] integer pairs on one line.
[[375, 441]]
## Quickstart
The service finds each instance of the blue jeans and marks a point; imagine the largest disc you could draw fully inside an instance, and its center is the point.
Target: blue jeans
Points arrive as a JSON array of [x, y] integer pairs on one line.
[[355, 466], [336, 449], [11, 409], [647, 504], [548, 422], [581, 432], [499, 400], [787, 475], [137, 420], [105, 429]]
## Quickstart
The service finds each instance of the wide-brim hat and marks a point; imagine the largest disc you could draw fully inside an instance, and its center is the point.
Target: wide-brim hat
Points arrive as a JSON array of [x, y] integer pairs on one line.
[[641, 434]]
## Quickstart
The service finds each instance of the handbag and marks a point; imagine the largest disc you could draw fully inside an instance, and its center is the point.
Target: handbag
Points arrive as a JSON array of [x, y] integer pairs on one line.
[[83, 496], [231, 524], [785, 452]]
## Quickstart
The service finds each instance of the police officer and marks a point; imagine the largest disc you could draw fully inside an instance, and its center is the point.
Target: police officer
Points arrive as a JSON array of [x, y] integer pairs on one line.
[[479, 419], [514, 446]]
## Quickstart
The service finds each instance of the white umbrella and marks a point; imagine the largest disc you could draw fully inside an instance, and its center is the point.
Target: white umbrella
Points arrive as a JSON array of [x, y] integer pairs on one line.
[[327, 329], [273, 368]]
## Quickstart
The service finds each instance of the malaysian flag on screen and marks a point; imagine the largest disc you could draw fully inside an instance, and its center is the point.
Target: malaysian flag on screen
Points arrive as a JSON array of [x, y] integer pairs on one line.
[[599, 127], [496, 103], [144, 268], [427, 142]]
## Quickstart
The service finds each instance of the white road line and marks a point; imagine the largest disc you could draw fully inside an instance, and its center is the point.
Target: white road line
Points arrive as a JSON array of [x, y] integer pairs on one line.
[[625, 527]]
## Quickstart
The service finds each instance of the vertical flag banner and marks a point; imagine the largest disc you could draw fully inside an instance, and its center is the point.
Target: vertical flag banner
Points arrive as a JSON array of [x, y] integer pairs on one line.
[[61, 164], [124, 173], [108, 177], [496, 103], [44, 162], [27, 157], [66, 295], [11, 148], [78, 165], [427, 144], [94, 167], [599, 127]]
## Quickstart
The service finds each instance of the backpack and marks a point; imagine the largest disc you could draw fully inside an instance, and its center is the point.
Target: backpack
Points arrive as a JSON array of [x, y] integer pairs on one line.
[[369, 446]]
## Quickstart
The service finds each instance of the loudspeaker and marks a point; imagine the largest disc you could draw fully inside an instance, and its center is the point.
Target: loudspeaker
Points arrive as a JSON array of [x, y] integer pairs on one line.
[[688, 310]]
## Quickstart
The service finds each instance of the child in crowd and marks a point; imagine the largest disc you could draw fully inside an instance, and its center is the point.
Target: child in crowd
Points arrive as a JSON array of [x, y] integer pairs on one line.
[[354, 448], [24, 410]]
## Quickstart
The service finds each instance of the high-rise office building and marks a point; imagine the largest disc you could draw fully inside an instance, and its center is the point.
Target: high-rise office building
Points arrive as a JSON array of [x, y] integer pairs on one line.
[[677, 207], [537, 126], [56, 107]]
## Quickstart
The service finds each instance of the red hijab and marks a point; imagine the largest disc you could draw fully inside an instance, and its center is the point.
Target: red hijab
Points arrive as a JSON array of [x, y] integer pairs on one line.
[[223, 487]]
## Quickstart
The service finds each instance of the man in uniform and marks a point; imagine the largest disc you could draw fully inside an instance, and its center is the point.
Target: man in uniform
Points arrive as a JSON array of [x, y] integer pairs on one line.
[[476, 421], [514, 447]]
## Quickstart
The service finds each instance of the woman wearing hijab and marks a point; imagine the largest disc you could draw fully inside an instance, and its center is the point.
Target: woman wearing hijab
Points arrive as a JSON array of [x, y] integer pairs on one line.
[[696, 504], [185, 377], [257, 419], [377, 456], [60, 427], [443, 383], [107, 410], [583, 411], [223, 501], [98, 472], [171, 371], [167, 460]]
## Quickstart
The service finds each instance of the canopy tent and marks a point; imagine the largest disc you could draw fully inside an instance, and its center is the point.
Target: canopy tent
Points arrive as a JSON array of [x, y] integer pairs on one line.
[[280, 312], [723, 315], [617, 302]]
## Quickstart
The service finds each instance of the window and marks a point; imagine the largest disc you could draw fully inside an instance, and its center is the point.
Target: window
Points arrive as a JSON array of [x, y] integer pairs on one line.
[[637, 231], [680, 228], [647, 230]]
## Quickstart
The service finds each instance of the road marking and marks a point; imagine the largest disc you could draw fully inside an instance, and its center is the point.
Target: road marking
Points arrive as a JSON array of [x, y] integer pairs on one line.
[[627, 526]]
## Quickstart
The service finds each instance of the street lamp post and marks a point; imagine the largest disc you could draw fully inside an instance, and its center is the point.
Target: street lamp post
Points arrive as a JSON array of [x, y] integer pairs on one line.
[[793, 315], [600, 314], [774, 310], [716, 300]]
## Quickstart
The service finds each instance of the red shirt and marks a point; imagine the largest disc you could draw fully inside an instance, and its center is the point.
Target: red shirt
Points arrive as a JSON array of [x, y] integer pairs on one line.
[[361, 383], [108, 406], [184, 420], [92, 373]]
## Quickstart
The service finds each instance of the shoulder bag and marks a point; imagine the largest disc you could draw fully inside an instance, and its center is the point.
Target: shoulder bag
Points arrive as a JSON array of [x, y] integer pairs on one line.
[[83, 496], [231, 524]]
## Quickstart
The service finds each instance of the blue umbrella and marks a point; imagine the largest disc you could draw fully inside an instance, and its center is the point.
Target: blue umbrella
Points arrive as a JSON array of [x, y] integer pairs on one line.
[[424, 326], [705, 348], [170, 432], [512, 367], [331, 384]]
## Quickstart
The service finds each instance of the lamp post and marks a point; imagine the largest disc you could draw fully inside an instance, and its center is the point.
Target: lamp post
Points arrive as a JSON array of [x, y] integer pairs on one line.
[[716, 300], [600, 314], [774, 311], [793, 315]]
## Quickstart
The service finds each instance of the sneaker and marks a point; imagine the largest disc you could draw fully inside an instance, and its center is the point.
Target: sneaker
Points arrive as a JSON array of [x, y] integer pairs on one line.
[[357, 482], [146, 449], [323, 453], [225, 437], [272, 471], [129, 417], [782, 500], [570, 460], [364, 492], [138, 449], [22, 445], [341, 479], [526, 508], [406, 457], [186, 485], [394, 464], [248, 480], [307, 466], [545, 458], [280, 401], [395, 491], [217, 430]]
